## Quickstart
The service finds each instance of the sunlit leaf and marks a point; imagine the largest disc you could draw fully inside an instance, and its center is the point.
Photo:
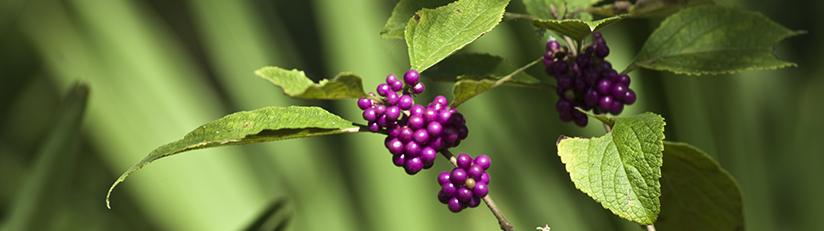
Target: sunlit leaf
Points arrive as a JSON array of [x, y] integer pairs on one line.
[[295, 84], [620, 169], [261, 125], [434, 34], [403, 12]]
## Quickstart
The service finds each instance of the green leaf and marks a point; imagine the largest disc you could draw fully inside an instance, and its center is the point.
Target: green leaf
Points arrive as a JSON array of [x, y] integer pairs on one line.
[[620, 169], [575, 28], [403, 12], [295, 84], [434, 34], [540, 8], [712, 39], [261, 125], [660, 8], [470, 86], [477, 66], [697, 194]]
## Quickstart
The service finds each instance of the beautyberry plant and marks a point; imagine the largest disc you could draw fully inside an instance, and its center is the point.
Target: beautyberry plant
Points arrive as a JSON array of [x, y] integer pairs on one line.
[[620, 170]]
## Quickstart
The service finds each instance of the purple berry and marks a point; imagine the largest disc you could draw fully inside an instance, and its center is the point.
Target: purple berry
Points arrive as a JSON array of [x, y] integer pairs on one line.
[[396, 147], [406, 134], [364, 103], [606, 102], [391, 78], [413, 166], [617, 108], [604, 87], [630, 97], [464, 194], [464, 161], [582, 61], [590, 76], [597, 35], [463, 132], [553, 45], [563, 105], [406, 102], [581, 122], [434, 129], [444, 117], [416, 122], [622, 79], [370, 115], [473, 202], [549, 55], [392, 98], [601, 50], [384, 89], [454, 205], [416, 110], [412, 150], [443, 178], [484, 179], [619, 92], [421, 136], [437, 143], [430, 115], [591, 97], [605, 65], [392, 113], [565, 82], [580, 85], [399, 160], [610, 75], [396, 86], [411, 77], [441, 100], [450, 134], [428, 155], [484, 162], [449, 189], [475, 172], [374, 127], [457, 176], [442, 197], [418, 88], [480, 189], [560, 67]]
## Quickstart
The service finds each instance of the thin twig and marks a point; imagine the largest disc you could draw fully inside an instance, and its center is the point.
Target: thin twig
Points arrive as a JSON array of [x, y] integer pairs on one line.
[[505, 225]]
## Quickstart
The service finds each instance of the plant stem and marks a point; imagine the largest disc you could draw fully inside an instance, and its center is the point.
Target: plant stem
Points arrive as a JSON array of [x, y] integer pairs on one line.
[[651, 227], [505, 225]]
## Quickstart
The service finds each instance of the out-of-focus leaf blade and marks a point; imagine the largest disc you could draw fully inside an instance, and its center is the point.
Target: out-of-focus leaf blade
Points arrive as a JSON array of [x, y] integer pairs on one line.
[[478, 66], [470, 86], [575, 28]]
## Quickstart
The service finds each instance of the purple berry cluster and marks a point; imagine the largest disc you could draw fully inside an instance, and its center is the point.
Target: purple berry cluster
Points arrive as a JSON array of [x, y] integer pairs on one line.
[[415, 133], [466, 185], [587, 81]]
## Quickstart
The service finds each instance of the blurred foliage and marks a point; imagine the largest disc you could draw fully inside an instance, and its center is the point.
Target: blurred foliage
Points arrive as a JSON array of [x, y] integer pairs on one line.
[[158, 69]]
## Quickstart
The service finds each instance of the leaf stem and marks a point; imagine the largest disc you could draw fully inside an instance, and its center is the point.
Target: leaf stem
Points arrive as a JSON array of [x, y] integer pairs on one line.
[[568, 40], [505, 224], [630, 68], [651, 227], [501, 81]]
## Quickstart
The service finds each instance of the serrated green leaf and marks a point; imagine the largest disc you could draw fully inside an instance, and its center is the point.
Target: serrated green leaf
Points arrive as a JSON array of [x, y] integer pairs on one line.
[[403, 12], [470, 86], [261, 125], [575, 28], [697, 194], [620, 169], [433, 34], [660, 8], [712, 39], [477, 66], [540, 8], [295, 84]]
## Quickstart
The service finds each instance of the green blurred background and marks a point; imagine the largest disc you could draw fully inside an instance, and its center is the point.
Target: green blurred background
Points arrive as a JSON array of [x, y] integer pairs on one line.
[[157, 69]]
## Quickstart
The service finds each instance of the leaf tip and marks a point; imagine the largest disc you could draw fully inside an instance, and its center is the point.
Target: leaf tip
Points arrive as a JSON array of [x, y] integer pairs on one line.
[[561, 138]]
